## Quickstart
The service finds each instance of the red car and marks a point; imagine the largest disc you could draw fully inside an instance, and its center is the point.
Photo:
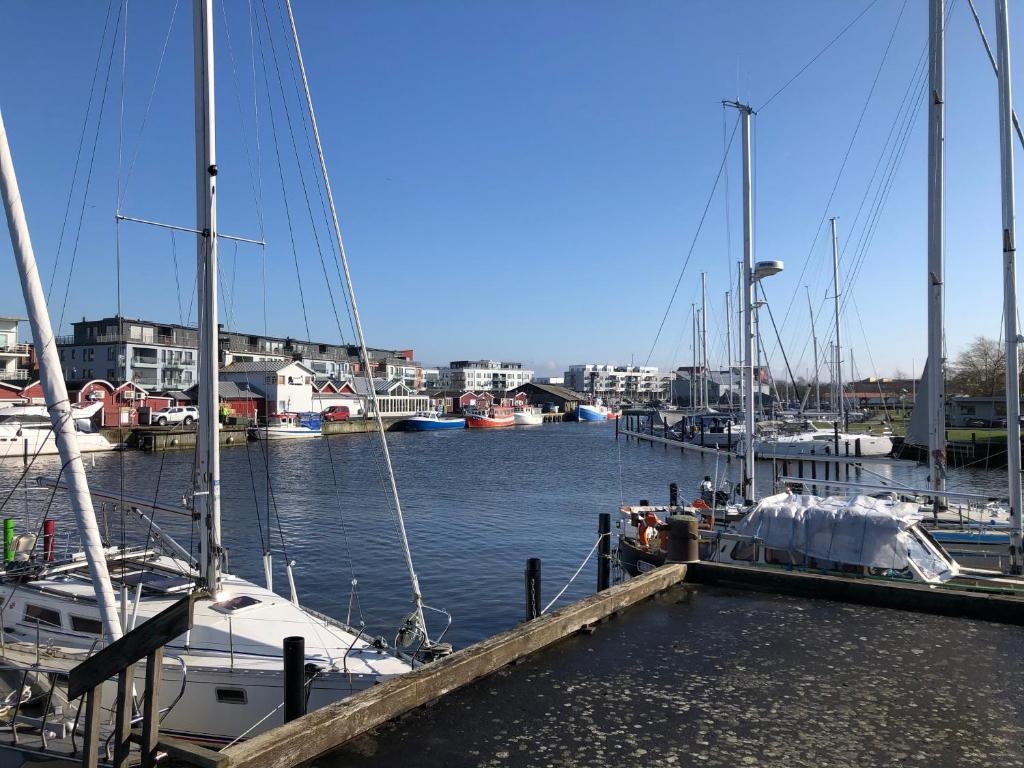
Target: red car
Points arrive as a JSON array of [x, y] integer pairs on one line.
[[336, 413]]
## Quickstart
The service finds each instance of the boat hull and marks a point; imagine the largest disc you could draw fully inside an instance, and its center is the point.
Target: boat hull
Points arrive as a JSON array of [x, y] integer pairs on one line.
[[418, 424], [877, 445], [528, 419], [283, 433], [591, 413], [37, 442], [489, 422]]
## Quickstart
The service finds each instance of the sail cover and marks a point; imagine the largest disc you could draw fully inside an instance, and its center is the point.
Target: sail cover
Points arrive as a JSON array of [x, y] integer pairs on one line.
[[857, 531], [917, 427]]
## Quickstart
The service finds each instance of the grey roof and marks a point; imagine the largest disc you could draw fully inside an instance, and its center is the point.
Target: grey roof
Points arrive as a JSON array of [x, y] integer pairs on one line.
[[258, 366], [552, 389], [380, 386], [230, 390]]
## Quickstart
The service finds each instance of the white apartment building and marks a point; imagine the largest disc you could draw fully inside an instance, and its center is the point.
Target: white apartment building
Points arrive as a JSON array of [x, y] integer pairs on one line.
[[617, 381], [482, 375], [14, 357]]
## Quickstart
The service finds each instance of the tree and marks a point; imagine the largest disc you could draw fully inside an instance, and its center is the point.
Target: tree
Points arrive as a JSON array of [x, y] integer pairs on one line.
[[980, 369]]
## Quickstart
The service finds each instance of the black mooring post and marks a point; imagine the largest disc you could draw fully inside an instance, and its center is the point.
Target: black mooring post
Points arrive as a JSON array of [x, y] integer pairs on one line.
[[604, 551], [856, 447], [294, 678], [533, 588], [835, 431], [673, 494]]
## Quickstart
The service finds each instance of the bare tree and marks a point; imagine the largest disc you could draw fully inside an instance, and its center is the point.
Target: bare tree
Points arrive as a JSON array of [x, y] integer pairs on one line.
[[980, 369]]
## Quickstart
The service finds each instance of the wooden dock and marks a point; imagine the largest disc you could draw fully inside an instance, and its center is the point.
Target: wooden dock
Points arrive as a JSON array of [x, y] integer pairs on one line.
[[325, 729]]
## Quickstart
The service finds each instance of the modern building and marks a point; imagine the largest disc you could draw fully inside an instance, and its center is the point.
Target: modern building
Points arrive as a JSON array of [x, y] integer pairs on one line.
[[483, 375], [15, 357], [719, 387], [558, 381], [617, 382], [164, 355]]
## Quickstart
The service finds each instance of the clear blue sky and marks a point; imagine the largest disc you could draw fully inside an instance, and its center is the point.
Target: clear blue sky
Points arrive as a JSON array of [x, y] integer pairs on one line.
[[518, 179]]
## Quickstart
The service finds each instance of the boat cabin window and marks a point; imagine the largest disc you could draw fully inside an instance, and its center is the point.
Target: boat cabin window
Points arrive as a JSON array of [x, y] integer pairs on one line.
[[35, 614], [744, 550], [235, 604], [87, 625], [231, 695]]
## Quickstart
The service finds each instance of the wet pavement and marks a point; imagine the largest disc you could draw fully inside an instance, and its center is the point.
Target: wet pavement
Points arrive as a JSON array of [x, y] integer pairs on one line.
[[705, 676]]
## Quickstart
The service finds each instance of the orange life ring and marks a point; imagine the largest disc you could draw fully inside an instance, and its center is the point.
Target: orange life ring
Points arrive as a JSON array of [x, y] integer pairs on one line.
[[647, 529], [701, 504]]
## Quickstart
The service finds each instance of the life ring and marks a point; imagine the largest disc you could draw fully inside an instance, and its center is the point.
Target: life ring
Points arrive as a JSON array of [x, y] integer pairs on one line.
[[648, 529], [700, 504]]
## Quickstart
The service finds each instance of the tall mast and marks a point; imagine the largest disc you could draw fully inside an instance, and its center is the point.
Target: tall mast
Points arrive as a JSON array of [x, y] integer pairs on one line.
[[838, 348], [207, 480], [51, 377], [936, 266], [704, 337], [814, 341], [747, 294], [728, 343], [693, 370], [1010, 287]]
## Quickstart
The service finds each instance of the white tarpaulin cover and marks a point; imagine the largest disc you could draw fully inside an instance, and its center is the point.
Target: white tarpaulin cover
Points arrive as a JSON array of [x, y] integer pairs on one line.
[[857, 531]]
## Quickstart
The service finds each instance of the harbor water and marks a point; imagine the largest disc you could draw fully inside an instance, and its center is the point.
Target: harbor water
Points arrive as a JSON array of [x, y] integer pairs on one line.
[[477, 504]]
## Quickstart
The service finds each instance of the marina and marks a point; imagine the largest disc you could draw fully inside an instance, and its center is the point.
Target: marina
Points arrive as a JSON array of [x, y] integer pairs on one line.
[[232, 549]]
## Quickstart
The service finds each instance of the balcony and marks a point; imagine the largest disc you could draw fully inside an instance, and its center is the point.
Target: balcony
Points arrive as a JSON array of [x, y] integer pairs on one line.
[[18, 350], [19, 374], [149, 362]]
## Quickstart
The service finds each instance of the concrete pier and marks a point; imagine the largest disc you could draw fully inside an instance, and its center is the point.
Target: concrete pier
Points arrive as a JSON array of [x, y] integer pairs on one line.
[[714, 677]]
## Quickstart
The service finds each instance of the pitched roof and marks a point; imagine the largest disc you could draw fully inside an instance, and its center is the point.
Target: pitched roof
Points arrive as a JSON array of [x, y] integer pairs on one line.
[[380, 386], [260, 366], [229, 390], [552, 389]]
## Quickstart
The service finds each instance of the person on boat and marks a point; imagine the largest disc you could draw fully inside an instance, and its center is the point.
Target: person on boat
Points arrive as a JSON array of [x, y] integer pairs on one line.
[[707, 491]]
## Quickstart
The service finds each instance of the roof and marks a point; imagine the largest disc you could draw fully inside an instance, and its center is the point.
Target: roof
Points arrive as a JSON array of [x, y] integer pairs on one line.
[[552, 389], [261, 366], [229, 390], [380, 386]]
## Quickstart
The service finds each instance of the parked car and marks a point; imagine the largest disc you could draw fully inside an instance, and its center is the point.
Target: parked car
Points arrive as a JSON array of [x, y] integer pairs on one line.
[[981, 422], [178, 414], [1001, 422], [336, 413]]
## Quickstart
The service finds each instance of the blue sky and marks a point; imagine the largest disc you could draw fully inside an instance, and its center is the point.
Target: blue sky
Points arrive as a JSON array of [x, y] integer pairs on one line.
[[515, 180]]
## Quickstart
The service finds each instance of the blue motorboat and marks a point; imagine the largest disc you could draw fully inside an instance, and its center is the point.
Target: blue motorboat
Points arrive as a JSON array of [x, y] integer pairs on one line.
[[426, 421]]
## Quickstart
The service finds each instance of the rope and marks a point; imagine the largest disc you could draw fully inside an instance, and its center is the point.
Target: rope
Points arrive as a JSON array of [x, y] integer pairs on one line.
[[578, 570]]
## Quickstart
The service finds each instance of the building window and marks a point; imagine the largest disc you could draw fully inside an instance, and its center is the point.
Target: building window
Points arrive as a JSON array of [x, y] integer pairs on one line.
[[110, 353]]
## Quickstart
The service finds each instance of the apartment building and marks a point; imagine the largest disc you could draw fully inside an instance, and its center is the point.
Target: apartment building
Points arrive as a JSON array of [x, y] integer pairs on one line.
[[15, 357], [482, 376], [616, 382]]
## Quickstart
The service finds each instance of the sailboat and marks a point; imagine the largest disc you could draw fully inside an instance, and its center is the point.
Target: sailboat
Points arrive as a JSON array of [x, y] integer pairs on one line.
[[224, 679], [25, 430]]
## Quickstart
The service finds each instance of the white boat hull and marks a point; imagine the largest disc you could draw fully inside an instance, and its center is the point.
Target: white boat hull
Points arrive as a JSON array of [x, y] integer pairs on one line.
[[528, 419], [284, 433], [40, 442]]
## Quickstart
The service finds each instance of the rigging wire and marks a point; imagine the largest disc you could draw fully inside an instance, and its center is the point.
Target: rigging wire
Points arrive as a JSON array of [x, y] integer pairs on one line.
[[846, 157], [693, 243]]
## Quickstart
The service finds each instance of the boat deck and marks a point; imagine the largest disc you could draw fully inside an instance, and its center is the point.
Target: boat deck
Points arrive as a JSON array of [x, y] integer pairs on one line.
[[715, 677]]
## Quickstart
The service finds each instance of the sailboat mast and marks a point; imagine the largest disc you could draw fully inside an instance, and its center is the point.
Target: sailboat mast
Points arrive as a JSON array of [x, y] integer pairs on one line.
[[693, 370], [748, 306], [51, 378], [728, 343], [838, 348], [936, 268], [814, 342], [1010, 287], [704, 337], [207, 483]]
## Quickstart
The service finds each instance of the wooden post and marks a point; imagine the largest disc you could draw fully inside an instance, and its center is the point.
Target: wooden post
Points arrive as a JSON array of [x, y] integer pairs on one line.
[[123, 721], [294, 655], [604, 551], [533, 605], [90, 749], [151, 708]]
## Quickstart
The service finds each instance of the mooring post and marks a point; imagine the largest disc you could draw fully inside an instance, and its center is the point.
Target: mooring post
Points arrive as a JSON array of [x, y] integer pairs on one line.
[[800, 467], [673, 494], [835, 432], [683, 539], [856, 448], [532, 588], [604, 551], [294, 678], [814, 476]]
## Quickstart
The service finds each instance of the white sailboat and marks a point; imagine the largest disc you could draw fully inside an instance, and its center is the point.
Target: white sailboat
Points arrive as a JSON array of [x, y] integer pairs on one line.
[[25, 430], [224, 680]]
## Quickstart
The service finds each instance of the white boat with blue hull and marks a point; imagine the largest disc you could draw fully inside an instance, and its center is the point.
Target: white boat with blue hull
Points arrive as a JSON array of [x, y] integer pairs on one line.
[[429, 421], [587, 412]]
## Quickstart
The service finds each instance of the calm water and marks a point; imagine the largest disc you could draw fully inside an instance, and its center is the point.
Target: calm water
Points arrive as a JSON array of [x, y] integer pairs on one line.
[[477, 503]]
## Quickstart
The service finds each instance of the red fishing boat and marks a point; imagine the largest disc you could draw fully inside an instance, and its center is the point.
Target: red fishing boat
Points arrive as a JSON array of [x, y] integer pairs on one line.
[[494, 417]]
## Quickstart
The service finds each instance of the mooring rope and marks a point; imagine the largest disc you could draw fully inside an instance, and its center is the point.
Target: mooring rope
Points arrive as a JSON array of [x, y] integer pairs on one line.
[[578, 570]]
